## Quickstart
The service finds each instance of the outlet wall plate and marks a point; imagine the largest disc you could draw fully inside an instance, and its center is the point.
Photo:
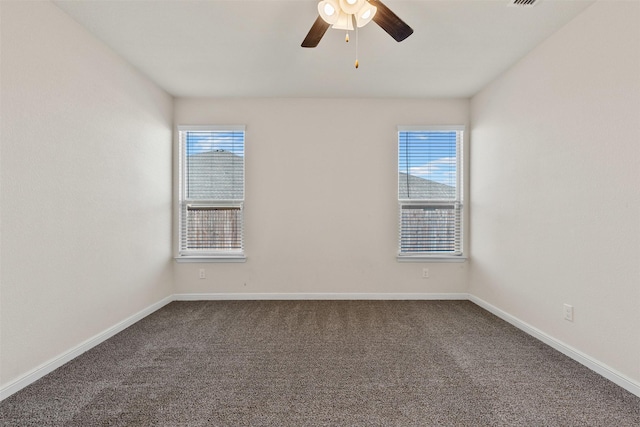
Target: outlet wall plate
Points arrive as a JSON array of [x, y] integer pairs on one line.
[[568, 312]]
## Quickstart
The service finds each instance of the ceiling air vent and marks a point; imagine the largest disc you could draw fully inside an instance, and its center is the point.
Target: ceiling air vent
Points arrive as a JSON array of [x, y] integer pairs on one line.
[[525, 3]]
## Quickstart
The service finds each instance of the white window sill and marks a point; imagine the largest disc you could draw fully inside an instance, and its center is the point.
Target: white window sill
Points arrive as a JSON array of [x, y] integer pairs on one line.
[[212, 258], [431, 258]]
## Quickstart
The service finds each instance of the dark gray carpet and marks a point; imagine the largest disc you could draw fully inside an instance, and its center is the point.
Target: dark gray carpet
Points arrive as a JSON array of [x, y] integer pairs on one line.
[[345, 363]]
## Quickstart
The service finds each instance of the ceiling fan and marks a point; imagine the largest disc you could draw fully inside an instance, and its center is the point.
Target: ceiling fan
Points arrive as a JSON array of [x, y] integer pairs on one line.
[[340, 14]]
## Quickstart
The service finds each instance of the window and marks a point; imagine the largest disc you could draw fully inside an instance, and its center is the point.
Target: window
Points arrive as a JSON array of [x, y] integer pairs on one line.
[[211, 191], [430, 192]]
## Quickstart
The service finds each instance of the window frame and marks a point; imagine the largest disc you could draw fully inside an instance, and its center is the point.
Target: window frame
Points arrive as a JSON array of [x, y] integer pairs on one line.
[[184, 203], [457, 203]]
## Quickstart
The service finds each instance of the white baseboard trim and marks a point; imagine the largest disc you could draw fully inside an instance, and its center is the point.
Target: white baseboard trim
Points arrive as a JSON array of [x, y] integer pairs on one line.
[[600, 368], [319, 296], [49, 366]]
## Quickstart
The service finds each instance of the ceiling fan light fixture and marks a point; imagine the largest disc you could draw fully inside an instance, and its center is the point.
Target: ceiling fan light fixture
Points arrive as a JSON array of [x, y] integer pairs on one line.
[[329, 10], [344, 22], [341, 14], [365, 14], [351, 7]]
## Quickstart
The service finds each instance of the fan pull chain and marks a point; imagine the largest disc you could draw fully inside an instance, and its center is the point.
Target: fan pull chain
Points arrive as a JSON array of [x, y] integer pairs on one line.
[[357, 64]]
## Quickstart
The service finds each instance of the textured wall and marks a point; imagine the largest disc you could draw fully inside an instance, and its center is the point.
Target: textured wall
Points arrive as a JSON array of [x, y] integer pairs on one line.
[[321, 196], [554, 187], [86, 188]]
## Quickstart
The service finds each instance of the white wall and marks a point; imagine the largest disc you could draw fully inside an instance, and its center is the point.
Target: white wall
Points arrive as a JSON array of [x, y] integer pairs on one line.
[[555, 173], [321, 196], [86, 188]]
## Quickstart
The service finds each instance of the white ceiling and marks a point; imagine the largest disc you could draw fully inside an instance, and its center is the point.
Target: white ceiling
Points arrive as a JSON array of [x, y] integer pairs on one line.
[[244, 48]]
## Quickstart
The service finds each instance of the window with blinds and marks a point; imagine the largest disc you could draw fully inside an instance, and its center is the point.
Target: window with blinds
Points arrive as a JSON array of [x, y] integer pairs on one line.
[[211, 191], [430, 191]]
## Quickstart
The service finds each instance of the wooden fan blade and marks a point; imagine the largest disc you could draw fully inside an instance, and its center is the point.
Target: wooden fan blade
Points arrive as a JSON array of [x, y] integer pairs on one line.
[[315, 33], [390, 22]]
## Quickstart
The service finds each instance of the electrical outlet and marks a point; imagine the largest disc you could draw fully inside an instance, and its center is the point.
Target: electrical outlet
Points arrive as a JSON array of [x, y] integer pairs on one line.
[[425, 273], [203, 274], [568, 312]]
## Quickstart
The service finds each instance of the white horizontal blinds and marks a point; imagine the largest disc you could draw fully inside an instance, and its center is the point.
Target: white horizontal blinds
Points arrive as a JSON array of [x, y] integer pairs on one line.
[[214, 165], [430, 229], [429, 192], [209, 227], [212, 173]]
